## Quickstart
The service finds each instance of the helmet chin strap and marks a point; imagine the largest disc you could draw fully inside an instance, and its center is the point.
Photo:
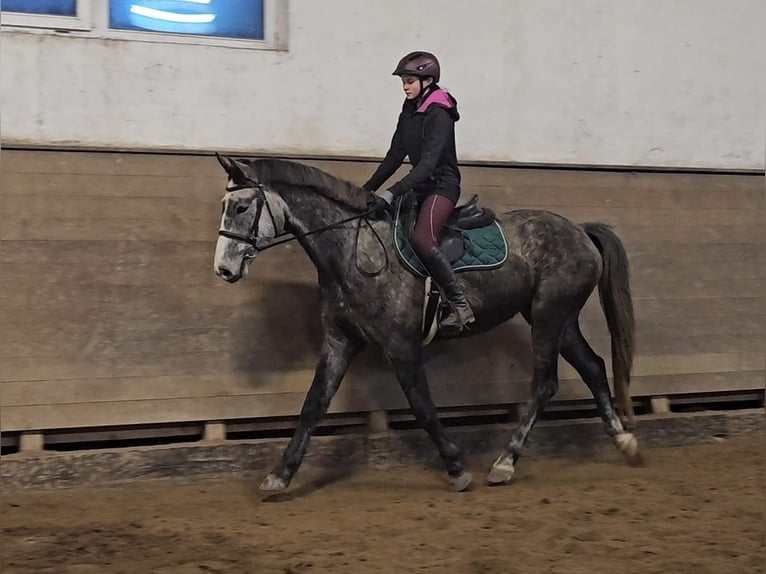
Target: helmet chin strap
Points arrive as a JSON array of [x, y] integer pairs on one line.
[[422, 94]]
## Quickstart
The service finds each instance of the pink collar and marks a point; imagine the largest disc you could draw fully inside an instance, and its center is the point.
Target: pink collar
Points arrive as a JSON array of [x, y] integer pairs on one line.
[[438, 97]]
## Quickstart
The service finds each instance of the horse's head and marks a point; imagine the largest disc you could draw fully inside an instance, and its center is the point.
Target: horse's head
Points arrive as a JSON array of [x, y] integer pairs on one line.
[[252, 216]]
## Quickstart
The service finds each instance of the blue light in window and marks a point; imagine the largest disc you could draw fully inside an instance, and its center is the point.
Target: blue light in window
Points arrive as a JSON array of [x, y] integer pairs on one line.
[[223, 18], [53, 7], [178, 17]]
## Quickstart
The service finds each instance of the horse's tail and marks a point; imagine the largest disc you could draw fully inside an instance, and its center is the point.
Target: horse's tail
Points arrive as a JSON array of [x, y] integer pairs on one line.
[[616, 301]]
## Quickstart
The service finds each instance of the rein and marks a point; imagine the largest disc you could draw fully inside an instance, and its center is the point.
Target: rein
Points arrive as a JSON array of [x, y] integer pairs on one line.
[[252, 238]]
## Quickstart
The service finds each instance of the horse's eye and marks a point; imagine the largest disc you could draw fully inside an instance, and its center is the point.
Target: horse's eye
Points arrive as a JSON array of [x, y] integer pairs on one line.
[[241, 209]]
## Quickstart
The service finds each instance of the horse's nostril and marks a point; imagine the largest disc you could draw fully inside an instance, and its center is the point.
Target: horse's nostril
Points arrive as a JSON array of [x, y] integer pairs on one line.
[[225, 273]]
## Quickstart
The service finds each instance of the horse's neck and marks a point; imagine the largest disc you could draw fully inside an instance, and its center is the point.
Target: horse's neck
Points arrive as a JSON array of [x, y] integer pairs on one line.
[[310, 212]]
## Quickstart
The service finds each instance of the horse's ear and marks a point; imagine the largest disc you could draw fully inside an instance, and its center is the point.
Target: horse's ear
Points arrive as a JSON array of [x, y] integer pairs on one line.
[[232, 167], [227, 163]]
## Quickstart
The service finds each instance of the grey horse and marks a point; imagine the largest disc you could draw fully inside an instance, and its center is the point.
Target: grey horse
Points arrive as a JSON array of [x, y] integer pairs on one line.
[[553, 267]]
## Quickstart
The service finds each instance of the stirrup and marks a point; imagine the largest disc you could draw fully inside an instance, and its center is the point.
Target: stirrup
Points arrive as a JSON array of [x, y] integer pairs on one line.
[[457, 320]]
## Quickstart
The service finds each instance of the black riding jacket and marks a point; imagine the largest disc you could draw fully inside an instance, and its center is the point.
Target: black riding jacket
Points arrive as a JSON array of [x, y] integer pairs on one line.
[[425, 133]]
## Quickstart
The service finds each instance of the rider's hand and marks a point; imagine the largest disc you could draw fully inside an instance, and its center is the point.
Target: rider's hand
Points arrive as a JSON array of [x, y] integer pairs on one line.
[[381, 204]]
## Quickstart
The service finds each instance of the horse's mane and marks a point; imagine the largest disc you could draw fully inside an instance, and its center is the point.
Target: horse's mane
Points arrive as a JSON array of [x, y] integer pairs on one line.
[[291, 173]]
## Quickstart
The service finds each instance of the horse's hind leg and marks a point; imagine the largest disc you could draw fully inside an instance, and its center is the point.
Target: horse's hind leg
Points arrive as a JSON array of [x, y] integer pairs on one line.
[[547, 327], [413, 381], [578, 353], [338, 348]]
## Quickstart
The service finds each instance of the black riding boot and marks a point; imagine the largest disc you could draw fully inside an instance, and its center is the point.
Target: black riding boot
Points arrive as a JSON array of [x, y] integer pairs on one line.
[[460, 314]]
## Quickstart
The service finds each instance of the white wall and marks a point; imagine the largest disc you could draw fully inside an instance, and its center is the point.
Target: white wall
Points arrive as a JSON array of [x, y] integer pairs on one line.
[[656, 82]]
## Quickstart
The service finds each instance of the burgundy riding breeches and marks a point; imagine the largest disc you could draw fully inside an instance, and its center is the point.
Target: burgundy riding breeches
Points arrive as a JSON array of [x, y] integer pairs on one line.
[[434, 211]]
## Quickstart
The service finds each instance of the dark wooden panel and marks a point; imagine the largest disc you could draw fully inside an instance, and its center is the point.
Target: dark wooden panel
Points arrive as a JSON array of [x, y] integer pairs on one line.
[[160, 175], [112, 314], [160, 164], [109, 163], [350, 398], [686, 271], [140, 263], [616, 182], [671, 235], [211, 350], [91, 219], [155, 212], [19, 186], [474, 375], [555, 197], [163, 313]]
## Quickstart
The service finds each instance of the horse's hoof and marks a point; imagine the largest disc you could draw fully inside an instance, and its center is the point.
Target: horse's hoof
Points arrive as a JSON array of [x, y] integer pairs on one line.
[[273, 483], [637, 459], [502, 471], [628, 445], [462, 482]]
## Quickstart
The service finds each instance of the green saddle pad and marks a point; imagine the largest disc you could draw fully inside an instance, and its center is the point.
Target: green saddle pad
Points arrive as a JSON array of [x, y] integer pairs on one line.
[[485, 248]]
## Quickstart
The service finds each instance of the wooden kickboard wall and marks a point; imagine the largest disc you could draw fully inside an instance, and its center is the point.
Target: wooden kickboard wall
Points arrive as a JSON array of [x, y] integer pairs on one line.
[[112, 315]]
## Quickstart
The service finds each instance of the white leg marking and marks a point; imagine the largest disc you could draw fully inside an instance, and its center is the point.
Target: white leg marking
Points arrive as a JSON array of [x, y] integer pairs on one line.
[[627, 443]]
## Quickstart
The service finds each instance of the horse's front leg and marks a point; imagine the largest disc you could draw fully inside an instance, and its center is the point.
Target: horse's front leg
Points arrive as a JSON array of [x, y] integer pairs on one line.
[[413, 381], [338, 349]]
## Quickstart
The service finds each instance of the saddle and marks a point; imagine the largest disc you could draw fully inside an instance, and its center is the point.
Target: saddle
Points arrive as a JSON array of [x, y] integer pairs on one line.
[[467, 215], [472, 240]]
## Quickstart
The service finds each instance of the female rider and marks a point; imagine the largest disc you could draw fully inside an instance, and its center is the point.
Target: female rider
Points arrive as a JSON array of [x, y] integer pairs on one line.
[[426, 133]]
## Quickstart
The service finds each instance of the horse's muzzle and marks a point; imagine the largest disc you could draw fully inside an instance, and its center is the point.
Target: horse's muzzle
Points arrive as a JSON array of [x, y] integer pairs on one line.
[[228, 275]]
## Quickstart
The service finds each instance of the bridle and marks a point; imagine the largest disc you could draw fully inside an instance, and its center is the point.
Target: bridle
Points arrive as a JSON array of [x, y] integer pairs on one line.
[[252, 234], [251, 238]]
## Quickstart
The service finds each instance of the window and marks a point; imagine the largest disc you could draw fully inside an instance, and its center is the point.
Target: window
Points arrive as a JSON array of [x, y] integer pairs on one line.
[[55, 7], [57, 14], [221, 18], [235, 23]]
